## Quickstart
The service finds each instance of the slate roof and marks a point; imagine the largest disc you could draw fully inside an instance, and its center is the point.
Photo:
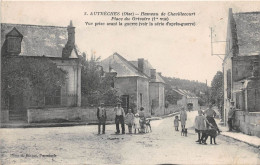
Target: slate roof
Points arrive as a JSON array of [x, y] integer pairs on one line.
[[39, 40], [185, 93], [147, 70], [123, 67], [248, 32]]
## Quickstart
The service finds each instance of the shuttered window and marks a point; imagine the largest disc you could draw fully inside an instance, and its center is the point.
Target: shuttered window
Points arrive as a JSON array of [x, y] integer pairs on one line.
[[14, 44]]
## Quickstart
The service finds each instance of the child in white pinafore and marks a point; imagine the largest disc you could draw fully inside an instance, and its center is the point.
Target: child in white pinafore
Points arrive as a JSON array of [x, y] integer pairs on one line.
[[137, 123], [176, 123]]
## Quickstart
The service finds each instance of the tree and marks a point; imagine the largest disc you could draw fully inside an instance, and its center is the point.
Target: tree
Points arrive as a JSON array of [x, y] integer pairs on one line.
[[28, 75], [216, 91], [96, 86], [194, 86]]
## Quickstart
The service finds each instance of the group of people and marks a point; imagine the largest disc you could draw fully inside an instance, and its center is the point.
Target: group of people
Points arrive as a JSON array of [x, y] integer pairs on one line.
[[183, 119], [133, 121], [203, 122]]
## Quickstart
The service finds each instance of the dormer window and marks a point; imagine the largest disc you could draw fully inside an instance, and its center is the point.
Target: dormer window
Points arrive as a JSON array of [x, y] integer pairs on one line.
[[14, 40], [14, 45]]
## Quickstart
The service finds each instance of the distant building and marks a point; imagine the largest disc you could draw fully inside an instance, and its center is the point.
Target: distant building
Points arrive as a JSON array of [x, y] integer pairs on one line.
[[138, 84], [186, 99], [241, 70], [35, 41]]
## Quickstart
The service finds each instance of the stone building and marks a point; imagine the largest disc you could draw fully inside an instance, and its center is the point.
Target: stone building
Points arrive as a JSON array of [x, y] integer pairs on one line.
[[186, 99], [52, 42], [241, 70], [156, 86], [137, 83]]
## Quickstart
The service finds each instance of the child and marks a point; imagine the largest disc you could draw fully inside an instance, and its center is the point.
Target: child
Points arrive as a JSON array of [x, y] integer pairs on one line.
[[176, 123], [137, 123], [129, 120], [200, 127]]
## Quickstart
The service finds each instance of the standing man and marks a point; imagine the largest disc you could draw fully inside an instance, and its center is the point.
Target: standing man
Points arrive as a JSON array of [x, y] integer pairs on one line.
[[183, 117], [231, 114], [120, 115], [102, 117]]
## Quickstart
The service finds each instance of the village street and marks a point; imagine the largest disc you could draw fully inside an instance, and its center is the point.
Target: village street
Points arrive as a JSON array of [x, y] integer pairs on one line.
[[81, 144]]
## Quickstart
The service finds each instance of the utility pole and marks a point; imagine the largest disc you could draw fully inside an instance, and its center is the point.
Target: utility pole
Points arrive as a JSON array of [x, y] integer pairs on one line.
[[207, 92]]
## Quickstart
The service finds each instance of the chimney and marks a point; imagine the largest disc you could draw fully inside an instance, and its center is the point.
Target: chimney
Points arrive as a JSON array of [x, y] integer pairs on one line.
[[160, 73], [71, 33], [66, 52], [141, 65], [153, 74]]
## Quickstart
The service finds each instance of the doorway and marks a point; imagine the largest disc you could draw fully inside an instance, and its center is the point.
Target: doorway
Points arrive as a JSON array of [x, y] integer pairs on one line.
[[17, 111], [125, 102]]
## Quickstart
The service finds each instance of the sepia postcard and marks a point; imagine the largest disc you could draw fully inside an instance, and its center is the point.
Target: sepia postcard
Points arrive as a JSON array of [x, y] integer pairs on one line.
[[130, 82]]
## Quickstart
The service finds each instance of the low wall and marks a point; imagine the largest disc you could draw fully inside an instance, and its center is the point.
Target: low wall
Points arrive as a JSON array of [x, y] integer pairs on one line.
[[78, 114], [4, 116], [67, 114], [172, 108], [248, 123]]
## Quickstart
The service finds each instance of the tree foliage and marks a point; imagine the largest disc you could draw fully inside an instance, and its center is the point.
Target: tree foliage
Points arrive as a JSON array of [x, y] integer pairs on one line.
[[96, 86], [28, 75], [216, 91], [198, 88]]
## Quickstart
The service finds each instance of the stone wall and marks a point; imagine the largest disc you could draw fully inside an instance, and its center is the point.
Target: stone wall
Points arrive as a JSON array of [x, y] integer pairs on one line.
[[172, 108], [248, 123], [71, 91], [4, 116], [80, 114], [242, 67], [195, 103], [143, 90], [157, 100]]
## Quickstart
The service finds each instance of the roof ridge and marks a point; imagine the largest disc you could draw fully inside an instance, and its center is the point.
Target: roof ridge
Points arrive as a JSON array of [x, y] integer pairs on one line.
[[129, 63], [34, 25], [252, 12]]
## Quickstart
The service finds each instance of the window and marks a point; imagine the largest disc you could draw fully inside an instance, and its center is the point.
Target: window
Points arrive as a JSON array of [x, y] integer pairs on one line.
[[125, 102], [229, 84], [14, 40], [14, 45], [239, 100], [53, 99], [141, 99]]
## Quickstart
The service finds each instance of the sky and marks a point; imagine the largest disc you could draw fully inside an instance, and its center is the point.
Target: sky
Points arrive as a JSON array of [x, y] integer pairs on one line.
[[182, 52]]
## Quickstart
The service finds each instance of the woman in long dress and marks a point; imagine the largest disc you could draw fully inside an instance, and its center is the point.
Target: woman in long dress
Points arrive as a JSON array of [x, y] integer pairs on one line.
[[142, 119], [183, 117]]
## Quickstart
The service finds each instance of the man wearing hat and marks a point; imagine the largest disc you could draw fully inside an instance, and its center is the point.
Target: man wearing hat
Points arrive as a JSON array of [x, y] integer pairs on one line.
[[231, 114], [120, 115], [102, 116]]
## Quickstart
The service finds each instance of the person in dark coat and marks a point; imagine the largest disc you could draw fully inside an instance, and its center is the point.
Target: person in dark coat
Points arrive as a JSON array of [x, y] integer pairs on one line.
[[200, 127], [210, 114], [231, 114], [102, 117]]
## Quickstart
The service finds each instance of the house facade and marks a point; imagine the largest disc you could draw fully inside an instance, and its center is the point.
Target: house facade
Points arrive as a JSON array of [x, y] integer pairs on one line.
[[156, 86], [51, 42], [186, 99], [241, 71], [134, 84]]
